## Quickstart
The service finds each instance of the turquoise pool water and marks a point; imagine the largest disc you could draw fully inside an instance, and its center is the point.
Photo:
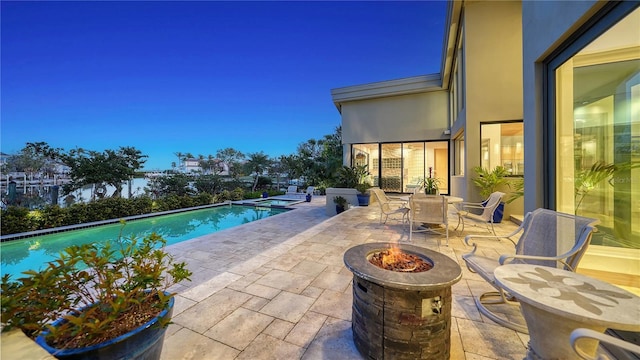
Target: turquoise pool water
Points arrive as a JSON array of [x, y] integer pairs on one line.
[[274, 201], [34, 252]]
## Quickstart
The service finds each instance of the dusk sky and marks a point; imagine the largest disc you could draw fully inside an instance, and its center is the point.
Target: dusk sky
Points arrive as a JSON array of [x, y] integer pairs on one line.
[[200, 76]]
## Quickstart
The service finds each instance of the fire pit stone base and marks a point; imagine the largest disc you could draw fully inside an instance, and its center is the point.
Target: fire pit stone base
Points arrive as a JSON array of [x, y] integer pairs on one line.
[[401, 315]]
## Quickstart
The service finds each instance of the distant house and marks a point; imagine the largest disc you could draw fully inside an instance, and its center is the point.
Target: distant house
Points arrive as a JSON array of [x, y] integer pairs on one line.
[[191, 165]]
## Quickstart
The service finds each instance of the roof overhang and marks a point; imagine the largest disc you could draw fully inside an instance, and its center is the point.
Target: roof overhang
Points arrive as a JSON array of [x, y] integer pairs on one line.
[[451, 37], [405, 86]]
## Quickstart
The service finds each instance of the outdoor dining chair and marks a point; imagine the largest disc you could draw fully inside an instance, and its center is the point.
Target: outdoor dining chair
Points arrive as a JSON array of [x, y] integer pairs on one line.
[[616, 347], [547, 238], [389, 206], [428, 214], [481, 213]]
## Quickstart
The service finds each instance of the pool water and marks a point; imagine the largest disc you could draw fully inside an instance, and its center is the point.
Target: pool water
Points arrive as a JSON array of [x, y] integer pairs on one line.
[[278, 202], [33, 253]]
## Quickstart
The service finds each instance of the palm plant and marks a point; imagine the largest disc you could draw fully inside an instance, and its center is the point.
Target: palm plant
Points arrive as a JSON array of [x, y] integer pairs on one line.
[[587, 180], [257, 163], [490, 181]]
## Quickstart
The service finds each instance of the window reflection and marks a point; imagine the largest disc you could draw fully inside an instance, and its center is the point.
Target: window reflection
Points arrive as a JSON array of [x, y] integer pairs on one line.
[[598, 136]]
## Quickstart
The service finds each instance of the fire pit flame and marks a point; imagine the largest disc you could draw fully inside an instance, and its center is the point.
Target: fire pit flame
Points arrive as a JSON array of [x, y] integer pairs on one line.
[[391, 256], [395, 259]]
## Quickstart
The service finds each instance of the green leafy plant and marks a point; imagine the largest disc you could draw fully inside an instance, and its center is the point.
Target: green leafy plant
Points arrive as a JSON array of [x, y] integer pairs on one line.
[[431, 185], [490, 181], [340, 201], [353, 177], [587, 180], [103, 291], [517, 190]]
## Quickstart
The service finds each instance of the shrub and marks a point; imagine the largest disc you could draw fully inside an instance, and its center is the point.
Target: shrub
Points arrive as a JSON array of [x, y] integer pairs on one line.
[[125, 287], [52, 216], [16, 219]]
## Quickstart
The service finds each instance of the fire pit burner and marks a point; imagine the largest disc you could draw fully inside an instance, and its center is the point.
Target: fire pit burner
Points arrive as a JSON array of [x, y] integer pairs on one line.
[[395, 260], [401, 315]]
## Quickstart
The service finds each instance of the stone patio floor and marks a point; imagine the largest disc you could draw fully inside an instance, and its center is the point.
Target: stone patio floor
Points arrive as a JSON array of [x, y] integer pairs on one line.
[[277, 288]]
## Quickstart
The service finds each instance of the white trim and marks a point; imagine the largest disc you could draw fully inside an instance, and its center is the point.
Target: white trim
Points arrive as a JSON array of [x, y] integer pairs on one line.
[[411, 85]]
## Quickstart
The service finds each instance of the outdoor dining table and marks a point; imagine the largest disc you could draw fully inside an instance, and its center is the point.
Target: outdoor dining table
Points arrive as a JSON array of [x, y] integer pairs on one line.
[[450, 199], [554, 302]]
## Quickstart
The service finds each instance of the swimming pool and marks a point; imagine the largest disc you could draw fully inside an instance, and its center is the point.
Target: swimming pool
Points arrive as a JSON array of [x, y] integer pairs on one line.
[[271, 202], [34, 252]]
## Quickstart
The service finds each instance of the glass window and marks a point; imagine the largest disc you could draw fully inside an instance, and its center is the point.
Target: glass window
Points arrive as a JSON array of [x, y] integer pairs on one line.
[[597, 134], [414, 165], [366, 154], [403, 165], [502, 145], [391, 168], [459, 155]]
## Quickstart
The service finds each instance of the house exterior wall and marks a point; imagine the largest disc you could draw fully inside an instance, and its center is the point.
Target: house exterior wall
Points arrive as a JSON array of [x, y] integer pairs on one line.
[[415, 117], [542, 32], [493, 81]]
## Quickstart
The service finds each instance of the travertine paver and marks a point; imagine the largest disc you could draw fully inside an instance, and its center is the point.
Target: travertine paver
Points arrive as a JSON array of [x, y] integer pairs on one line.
[[284, 280], [266, 347], [187, 344], [306, 329], [202, 316], [335, 304], [288, 306], [278, 289], [239, 328]]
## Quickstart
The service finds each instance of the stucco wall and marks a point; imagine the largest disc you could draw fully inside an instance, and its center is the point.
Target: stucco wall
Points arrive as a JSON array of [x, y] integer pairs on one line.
[[542, 31], [493, 80], [493, 43], [414, 117]]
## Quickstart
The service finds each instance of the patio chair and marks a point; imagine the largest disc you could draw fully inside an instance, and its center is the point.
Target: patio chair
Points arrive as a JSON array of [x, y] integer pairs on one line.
[[389, 206], [547, 238], [292, 190], [425, 212], [612, 347], [486, 209]]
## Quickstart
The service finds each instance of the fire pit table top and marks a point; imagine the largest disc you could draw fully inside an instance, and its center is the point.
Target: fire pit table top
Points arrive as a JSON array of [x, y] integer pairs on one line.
[[445, 271]]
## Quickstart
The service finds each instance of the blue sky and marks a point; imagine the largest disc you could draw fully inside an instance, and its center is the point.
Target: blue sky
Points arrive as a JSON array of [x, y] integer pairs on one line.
[[200, 76]]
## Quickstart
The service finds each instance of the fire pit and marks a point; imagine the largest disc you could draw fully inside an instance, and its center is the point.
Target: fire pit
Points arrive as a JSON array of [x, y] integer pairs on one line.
[[401, 313]]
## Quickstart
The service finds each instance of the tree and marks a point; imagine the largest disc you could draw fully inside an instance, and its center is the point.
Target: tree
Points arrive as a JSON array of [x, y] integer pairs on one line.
[[176, 184], [27, 161], [257, 164], [210, 163], [278, 168], [318, 161], [233, 159], [179, 155], [110, 167], [211, 184]]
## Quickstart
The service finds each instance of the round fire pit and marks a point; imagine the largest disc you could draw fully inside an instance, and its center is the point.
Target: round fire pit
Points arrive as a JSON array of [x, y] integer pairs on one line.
[[401, 315]]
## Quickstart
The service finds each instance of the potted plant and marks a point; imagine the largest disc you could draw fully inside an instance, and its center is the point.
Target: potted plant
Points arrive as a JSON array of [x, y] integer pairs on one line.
[[489, 182], [97, 300], [431, 186], [341, 204], [356, 177]]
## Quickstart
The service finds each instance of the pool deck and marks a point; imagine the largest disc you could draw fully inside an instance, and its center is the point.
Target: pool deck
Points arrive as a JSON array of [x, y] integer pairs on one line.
[[278, 289]]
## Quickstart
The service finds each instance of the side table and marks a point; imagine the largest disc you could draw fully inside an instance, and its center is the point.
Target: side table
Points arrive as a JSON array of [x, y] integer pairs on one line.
[[555, 302]]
